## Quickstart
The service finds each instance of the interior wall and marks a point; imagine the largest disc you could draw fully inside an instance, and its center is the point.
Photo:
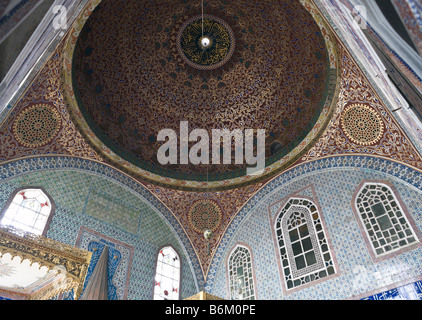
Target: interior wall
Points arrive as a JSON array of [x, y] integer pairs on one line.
[[331, 183], [90, 208]]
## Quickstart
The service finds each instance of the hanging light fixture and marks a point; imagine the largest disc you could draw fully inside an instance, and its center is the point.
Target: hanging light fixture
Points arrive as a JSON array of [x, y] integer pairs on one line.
[[205, 41], [208, 235]]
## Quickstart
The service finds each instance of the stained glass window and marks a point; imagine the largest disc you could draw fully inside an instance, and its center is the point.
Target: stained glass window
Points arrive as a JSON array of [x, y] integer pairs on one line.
[[383, 219], [302, 244], [241, 274], [167, 275], [29, 211]]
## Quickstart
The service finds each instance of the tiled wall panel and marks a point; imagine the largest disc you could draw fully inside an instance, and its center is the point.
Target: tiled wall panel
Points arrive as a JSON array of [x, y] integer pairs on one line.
[[358, 275], [112, 212]]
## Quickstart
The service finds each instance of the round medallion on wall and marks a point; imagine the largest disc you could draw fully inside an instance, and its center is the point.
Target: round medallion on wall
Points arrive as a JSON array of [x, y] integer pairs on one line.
[[205, 43], [204, 215], [362, 124], [36, 125]]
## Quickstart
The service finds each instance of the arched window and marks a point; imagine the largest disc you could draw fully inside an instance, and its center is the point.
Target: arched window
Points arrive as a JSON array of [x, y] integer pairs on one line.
[[385, 224], [28, 210], [167, 275], [302, 244], [240, 272]]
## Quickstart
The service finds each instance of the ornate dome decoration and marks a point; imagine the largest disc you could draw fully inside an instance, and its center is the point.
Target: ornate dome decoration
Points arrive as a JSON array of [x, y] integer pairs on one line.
[[362, 124], [36, 125], [204, 215], [213, 53], [130, 73]]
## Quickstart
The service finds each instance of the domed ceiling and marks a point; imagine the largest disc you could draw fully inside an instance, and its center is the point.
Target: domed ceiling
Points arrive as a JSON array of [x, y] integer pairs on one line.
[[139, 67]]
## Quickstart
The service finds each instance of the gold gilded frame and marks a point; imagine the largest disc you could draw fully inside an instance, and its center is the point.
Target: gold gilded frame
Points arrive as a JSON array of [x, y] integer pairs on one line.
[[49, 253]]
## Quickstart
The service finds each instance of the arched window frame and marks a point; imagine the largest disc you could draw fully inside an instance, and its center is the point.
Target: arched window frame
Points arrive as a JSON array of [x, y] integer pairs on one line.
[[173, 292], [19, 190], [371, 238], [325, 267], [231, 285]]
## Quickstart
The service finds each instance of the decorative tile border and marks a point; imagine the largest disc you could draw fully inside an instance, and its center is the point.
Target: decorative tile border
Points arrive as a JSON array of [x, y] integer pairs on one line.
[[411, 291]]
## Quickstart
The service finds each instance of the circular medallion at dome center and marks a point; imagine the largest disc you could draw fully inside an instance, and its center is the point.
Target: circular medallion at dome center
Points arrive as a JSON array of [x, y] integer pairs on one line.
[[205, 42]]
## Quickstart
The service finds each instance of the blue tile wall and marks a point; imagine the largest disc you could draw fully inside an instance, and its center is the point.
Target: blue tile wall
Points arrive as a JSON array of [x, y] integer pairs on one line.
[[334, 181], [40, 165], [72, 190]]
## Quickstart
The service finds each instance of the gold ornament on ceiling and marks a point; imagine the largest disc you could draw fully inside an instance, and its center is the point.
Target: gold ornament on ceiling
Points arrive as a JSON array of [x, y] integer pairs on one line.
[[362, 124], [204, 215], [131, 74], [37, 125], [207, 50]]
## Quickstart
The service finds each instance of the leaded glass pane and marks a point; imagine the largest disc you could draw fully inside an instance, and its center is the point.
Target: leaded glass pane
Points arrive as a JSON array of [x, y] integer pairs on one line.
[[378, 209], [385, 224], [307, 244], [303, 248], [28, 211], [167, 276], [300, 262], [240, 274]]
